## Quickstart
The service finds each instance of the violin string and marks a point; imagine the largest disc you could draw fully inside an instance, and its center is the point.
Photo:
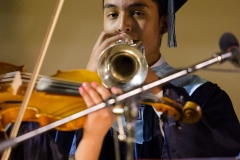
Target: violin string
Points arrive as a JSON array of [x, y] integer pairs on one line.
[[28, 76], [51, 81]]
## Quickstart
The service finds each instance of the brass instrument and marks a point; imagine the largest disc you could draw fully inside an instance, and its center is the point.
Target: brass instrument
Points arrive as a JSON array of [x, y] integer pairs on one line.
[[123, 64]]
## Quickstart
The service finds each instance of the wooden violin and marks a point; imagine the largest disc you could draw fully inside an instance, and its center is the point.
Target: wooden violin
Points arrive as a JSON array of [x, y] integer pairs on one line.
[[59, 100], [57, 96]]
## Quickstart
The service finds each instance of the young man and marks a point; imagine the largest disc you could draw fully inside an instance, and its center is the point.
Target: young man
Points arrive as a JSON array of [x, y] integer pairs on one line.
[[216, 134]]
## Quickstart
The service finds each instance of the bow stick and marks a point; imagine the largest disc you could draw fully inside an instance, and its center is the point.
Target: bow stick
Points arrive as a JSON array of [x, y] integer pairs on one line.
[[33, 79]]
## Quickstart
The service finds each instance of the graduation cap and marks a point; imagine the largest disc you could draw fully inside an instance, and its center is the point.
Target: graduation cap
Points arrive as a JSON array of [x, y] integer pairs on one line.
[[170, 7]]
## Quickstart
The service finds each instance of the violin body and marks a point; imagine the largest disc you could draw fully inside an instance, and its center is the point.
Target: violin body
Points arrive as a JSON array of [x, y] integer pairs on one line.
[[45, 107]]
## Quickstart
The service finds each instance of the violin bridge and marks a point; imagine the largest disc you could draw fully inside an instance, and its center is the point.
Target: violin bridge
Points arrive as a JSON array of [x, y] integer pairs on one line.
[[16, 83]]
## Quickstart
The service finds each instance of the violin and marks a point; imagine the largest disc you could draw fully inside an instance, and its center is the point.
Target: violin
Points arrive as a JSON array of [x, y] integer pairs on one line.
[[56, 97], [44, 106]]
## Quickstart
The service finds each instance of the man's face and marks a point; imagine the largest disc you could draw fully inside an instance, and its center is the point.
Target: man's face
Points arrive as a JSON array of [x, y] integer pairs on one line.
[[139, 19]]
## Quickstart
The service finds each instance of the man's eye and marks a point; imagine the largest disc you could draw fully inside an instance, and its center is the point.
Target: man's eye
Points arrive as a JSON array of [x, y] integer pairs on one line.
[[112, 15], [138, 13]]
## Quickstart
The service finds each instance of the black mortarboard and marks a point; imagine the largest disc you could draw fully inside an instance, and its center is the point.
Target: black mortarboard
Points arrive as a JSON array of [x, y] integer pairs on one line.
[[170, 7]]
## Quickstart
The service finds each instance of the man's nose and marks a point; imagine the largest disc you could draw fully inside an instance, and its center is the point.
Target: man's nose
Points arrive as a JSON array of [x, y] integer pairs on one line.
[[125, 24]]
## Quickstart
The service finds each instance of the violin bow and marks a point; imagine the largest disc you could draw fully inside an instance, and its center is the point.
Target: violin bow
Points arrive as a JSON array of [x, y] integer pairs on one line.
[[33, 79], [221, 57]]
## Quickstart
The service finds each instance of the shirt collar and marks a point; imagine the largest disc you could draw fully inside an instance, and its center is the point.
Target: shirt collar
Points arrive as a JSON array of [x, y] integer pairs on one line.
[[160, 61]]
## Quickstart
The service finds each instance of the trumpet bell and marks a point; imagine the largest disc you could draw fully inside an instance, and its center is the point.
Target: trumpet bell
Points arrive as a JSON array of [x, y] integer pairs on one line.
[[123, 66]]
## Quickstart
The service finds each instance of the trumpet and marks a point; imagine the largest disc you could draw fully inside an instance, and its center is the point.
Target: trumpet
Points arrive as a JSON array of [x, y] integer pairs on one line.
[[123, 64]]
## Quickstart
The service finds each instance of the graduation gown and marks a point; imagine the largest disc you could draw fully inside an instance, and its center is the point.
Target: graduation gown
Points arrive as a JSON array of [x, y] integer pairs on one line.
[[41, 147]]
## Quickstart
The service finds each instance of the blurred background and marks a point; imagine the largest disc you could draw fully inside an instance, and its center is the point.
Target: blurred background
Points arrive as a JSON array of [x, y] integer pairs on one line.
[[199, 26]]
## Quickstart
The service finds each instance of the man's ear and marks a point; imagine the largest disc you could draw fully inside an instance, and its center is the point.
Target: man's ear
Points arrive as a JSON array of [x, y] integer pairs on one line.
[[164, 23]]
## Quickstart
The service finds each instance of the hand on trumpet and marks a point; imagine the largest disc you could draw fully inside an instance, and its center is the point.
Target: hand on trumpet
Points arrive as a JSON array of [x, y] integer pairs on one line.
[[123, 67], [97, 123], [106, 39]]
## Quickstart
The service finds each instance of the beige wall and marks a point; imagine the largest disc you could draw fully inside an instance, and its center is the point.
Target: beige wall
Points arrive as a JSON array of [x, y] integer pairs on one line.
[[199, 25]]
